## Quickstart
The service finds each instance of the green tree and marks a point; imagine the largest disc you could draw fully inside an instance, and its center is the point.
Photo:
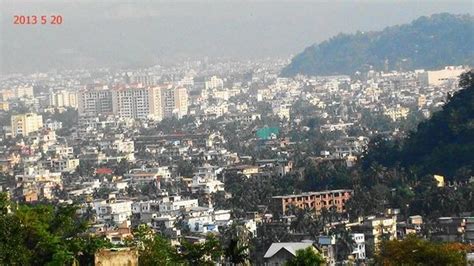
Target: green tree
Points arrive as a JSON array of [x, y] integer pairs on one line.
[[235, 241], [13, 250], [306, 257], [153, 249], [416, 251], [236, 253], [206, 253], [344, 241], [45, 235]]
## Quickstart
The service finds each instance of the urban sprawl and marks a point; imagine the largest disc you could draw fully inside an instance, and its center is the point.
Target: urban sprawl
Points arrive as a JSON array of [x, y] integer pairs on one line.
[[170, 147]]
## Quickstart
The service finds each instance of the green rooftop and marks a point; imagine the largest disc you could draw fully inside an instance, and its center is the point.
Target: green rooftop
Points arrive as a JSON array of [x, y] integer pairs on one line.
[[267, 132]]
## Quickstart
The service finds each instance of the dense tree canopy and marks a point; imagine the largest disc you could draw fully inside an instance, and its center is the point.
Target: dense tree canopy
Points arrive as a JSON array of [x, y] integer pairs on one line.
[[44, 235], [428, 42], [415, 251]]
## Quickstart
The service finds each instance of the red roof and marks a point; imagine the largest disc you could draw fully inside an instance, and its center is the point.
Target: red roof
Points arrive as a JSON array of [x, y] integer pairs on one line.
[[104, 171]]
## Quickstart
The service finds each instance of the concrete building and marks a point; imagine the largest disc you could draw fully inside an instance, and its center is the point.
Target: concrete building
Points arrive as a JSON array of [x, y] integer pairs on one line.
[[214, 83], [137, 102], [469, 230], [25, 124], [397, 113], [313, 200], [143, 79], [17, 92], [95, 100], [181, 101], [440, 77], [327, 246], [377, 229], [358, 250], [4, 106], [63, 98], [283, 112], [113, 211], [64, 164], [144, 176], [175, 203], [175, 102]]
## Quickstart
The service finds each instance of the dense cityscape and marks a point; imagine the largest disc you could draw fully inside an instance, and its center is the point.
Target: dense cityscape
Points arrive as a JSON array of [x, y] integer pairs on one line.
[[217, 161], [165, 147]]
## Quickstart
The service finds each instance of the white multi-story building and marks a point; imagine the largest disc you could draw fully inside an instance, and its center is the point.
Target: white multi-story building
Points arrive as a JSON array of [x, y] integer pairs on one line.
[[137, 102], [31, 174], [176, 203], [63, 98], [61, 150], [359, 246], [376, 229], [206, 185], [181, 101], [282, 112], [116, 211], [214, 83], [175, 102], [64, 164], [17, 92], [95, 100], [217, 110], [439, 77], [25, 124], [143, 78], [200, 220], [397, 113]]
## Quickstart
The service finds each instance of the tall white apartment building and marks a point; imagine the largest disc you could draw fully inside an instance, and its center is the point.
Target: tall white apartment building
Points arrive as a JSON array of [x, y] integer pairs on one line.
[[175, 102], [137, 102], [95, 100], [181, 101], [25, 124], [63, 98]]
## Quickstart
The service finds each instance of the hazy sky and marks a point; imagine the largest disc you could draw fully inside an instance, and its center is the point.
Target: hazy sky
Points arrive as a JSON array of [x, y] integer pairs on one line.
[[144, 32]]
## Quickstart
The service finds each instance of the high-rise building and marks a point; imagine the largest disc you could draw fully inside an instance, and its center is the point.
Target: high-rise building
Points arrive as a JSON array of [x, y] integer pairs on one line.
[[95, 100], [25, 124], [137, 102], [181, 101], [175, 102], [134, 101], [63, 98]]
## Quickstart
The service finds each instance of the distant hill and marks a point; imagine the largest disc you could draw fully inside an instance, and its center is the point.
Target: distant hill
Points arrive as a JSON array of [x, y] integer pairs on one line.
[[443, 144], [427, 42]]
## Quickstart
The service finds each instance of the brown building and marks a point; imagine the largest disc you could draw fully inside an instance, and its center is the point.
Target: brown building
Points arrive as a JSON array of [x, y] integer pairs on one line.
[[313, 200]]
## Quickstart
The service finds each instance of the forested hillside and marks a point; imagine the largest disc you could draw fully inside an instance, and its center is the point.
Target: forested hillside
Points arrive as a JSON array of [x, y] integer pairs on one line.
[[428, 42]]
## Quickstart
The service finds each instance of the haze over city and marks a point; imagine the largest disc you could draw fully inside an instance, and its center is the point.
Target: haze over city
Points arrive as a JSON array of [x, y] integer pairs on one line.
[[134, 33]]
